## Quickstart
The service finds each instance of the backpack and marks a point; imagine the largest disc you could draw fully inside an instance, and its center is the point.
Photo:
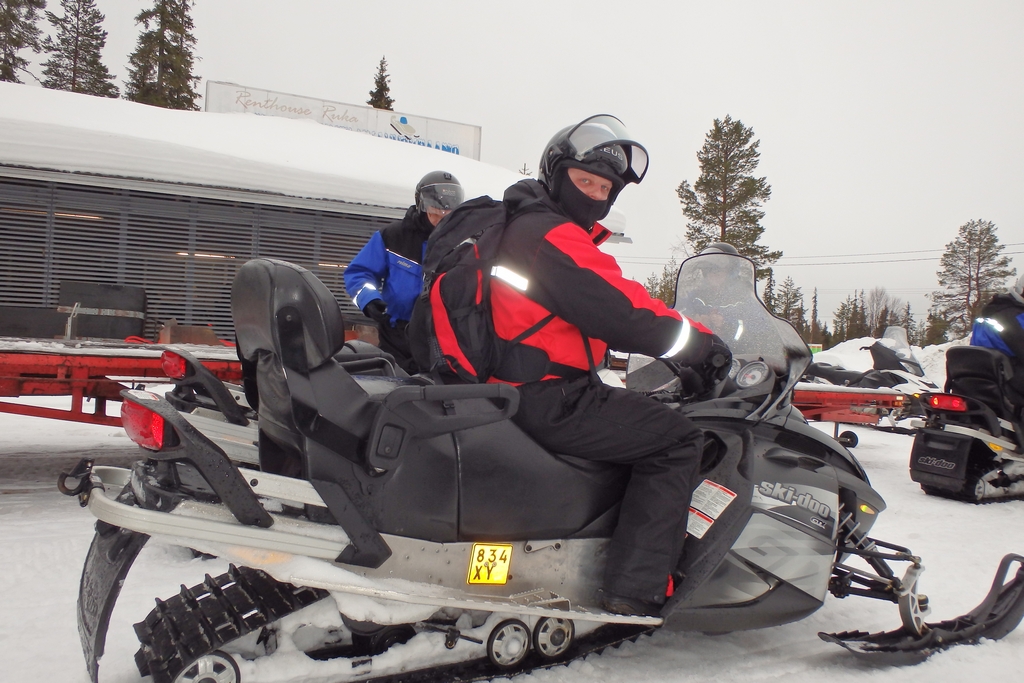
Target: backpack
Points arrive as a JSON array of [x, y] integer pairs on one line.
[[451, 331]]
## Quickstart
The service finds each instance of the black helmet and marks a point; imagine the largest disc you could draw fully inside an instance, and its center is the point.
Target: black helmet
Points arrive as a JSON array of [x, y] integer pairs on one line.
[[440, 190], [599, 144], [720, 248]]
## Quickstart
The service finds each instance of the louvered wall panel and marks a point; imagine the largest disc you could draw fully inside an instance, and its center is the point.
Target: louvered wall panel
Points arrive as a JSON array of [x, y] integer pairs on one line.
[[24, 214], [184, 251]]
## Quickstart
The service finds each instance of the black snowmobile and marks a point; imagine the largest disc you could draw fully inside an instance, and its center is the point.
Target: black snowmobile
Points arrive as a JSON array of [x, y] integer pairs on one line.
[[970, 446], [422, 515], [893, 366]]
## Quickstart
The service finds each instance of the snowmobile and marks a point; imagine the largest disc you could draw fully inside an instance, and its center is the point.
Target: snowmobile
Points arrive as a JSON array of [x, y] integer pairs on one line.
[[418, 534], [893, 366], [970, 446]]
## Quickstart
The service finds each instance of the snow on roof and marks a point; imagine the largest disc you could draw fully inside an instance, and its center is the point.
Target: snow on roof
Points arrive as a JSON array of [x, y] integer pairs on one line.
[[60, 131]]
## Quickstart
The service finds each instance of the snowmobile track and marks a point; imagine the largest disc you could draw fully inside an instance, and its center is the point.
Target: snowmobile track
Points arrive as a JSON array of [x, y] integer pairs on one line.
[[204, 618]]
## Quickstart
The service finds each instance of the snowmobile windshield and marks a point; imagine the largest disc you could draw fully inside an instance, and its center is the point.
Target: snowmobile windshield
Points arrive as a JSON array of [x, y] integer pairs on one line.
[[718, 290], [896, 339]]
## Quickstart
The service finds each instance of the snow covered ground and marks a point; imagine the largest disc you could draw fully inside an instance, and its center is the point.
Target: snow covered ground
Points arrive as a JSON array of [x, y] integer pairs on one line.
[[44, 537]]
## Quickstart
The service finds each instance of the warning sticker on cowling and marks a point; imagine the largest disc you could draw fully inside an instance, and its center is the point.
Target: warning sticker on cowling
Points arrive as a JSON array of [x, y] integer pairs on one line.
[[697, 524], [708, 502]]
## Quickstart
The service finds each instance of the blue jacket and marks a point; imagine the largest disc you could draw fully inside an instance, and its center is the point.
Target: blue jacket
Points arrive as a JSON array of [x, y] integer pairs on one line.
[[1000, 326], [389, 267]]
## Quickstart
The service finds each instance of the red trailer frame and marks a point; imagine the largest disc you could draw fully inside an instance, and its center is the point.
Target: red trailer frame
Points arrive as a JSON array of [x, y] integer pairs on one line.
[[96, 371]]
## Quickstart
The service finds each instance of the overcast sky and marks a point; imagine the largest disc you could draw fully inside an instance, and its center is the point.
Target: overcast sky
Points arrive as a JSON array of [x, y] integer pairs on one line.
[[884, 125]]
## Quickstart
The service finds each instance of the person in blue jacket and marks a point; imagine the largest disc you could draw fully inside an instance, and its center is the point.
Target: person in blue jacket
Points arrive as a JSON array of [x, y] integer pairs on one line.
[[386, 276], [1000, 326]]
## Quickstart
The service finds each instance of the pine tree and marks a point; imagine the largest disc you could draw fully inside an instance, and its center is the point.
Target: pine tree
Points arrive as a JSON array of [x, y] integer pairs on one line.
[[18, 31], [664, 286], [935, 330], [74, 64], [380, 96], [768, 294], [724, 204], [789, 304], [972, 271], [817, 330], [160, 69]]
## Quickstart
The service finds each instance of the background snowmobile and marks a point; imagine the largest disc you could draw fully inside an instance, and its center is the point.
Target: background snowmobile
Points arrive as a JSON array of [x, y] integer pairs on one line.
[[893, 367], [970, 446], [413, 527]]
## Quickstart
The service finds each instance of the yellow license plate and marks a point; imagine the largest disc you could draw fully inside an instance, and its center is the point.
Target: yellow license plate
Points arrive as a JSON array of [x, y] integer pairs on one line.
[[489, 563]]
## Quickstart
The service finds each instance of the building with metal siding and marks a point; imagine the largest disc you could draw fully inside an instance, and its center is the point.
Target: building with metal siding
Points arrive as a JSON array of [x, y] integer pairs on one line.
[[183, 250], [113, 192]]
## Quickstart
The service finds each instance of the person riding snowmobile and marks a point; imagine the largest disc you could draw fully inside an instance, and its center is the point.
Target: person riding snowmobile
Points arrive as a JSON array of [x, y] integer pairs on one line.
[[1000, 326], [565, 303], [386, 275]]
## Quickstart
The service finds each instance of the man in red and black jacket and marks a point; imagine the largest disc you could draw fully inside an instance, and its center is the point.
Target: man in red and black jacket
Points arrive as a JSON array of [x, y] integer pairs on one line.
[[564, 303]]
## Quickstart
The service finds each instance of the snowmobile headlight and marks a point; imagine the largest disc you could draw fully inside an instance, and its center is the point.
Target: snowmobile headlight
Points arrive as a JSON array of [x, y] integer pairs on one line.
[[867, 509], [752, 374]]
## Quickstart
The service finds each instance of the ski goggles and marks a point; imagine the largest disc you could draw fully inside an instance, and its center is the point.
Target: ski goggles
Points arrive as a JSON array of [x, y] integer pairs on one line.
[[604, 139], [444, 196]]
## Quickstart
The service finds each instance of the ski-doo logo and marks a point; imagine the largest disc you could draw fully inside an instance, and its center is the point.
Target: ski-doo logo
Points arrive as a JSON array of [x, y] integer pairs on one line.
[[788, 495], [929, 461]]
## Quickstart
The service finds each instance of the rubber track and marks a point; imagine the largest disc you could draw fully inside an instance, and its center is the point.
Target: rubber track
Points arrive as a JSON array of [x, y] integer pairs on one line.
[[204, 618]]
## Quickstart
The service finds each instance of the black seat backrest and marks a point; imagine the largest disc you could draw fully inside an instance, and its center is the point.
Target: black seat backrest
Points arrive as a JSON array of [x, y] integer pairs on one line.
[[284, 318], [982, 374]]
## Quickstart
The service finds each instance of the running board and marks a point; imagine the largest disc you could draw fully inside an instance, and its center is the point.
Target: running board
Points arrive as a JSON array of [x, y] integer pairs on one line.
[[998, 614]]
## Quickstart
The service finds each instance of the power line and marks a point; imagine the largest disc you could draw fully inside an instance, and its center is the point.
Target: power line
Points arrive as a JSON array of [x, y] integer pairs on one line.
[[827, 263], [655, 260]]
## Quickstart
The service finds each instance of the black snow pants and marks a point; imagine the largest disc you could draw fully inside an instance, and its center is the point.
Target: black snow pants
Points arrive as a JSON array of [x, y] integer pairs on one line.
[[607, 424]]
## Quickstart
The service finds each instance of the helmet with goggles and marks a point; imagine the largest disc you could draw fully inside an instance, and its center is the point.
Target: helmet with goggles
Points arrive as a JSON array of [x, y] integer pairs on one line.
[[598, 144], [439, 190]]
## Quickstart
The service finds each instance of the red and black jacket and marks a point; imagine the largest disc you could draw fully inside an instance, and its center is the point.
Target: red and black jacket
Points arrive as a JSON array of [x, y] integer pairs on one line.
[[553, 270]]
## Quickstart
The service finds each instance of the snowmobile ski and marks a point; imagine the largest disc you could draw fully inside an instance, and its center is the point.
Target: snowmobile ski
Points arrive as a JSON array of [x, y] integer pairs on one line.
[[997, 615]]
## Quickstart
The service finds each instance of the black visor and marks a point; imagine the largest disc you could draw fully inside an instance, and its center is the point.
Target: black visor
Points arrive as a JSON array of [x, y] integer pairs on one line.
[[444, 196]]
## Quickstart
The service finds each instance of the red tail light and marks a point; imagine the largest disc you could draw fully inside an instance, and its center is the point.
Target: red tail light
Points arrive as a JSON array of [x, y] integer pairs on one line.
[[947, 402], [174, 365], [144, 427]]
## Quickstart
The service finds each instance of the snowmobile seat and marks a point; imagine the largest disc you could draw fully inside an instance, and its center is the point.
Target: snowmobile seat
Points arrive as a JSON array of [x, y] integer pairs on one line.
[[399, 455], [983, 374]]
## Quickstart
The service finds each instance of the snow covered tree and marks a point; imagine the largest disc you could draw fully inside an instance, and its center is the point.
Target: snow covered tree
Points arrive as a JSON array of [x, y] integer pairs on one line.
[[18, 31], [380, 96], [664, 286], [160, 68], [724, 205], [972, 271], [74, 63]]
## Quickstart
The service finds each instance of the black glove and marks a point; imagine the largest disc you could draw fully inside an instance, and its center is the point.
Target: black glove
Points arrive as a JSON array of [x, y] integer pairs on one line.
[[696, 348], [706, 353], [377, 310], [718, 362]]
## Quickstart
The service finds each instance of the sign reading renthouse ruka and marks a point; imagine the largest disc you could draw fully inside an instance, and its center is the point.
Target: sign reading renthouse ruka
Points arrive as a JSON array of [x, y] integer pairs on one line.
[[447, 136]]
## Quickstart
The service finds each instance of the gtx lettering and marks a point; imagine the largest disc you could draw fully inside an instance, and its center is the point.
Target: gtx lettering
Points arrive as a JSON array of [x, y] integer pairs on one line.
[[789, 495], [936, 462]]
